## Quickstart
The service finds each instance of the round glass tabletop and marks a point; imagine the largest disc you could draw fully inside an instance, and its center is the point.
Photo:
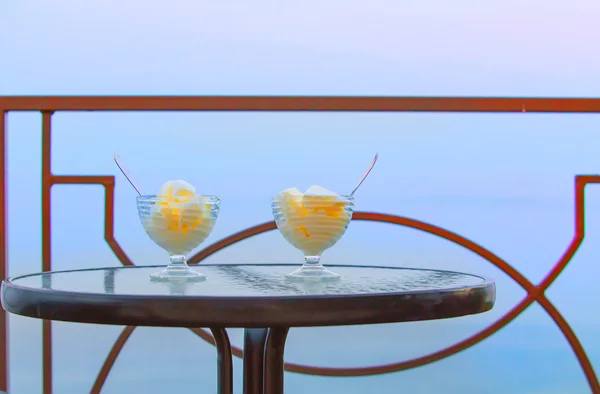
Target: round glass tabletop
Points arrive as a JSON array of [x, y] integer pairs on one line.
[[247, 296]]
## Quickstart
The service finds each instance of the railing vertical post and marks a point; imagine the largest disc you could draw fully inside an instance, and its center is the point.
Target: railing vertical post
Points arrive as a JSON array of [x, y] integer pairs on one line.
[[46, 242], [3, 252]]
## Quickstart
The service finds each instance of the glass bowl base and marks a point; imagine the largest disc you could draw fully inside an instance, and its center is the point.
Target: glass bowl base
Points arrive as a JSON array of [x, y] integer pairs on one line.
[[184, 273], [310, 273]]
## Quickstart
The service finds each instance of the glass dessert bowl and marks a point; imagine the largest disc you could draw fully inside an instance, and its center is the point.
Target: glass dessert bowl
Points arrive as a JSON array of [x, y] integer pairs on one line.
[[312, 222], [178, 221]]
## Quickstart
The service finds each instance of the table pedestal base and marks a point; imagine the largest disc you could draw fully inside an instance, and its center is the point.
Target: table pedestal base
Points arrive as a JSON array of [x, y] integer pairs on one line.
[[224, 361], [263, 360]]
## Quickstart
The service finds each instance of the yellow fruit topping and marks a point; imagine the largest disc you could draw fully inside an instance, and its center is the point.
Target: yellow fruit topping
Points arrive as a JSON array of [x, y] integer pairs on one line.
[[331, 205], [305, 231], [179, 212]]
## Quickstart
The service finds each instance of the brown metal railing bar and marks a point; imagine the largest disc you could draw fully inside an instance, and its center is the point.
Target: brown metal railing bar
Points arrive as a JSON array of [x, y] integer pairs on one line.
[[3, 250], [580, 353], [230, 240], [419, 361], [120, 343], [110, 359], [46, 243], [47, 105], [581, 181], [109, 223], [81, 179], [300, 103], [108, 181]]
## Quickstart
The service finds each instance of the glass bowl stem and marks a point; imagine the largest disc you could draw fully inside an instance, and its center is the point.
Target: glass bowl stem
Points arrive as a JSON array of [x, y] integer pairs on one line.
[[177, 270]]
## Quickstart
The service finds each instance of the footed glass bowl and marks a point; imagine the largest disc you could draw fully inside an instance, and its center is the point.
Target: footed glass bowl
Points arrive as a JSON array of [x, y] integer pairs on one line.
[[178, 225], [312, 224]]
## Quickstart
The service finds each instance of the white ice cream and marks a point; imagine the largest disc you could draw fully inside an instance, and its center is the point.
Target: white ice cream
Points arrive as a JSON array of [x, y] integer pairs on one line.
[[176, 188], [180, 220], [316, 190], [313, 221]]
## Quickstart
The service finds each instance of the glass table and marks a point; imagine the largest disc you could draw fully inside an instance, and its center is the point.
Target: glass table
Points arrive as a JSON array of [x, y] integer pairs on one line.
[[256, 297]]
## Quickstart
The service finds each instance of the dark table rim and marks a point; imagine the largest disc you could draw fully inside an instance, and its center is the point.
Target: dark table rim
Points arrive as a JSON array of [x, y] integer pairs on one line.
[[254, 311], [11, 280]]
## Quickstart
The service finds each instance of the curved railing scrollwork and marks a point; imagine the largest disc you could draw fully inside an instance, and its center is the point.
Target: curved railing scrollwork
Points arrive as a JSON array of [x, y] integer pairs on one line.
[[535, 293]]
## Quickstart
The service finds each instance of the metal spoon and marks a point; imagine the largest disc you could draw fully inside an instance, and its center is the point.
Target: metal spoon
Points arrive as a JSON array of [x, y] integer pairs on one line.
[[126, 173], [365, 174]]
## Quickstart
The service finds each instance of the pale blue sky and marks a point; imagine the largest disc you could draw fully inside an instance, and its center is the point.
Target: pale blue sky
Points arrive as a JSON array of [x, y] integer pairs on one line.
[[505, 181]]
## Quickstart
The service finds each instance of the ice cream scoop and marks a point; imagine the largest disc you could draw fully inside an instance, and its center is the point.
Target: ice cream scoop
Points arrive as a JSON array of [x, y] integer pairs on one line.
[[178, 209]]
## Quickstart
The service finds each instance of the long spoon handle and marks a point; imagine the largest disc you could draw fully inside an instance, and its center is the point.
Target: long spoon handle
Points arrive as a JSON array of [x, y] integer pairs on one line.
[[366, 174], [126, 173]]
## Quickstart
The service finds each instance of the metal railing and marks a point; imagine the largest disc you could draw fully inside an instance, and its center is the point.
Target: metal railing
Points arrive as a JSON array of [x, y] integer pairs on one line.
[[48, 105]]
